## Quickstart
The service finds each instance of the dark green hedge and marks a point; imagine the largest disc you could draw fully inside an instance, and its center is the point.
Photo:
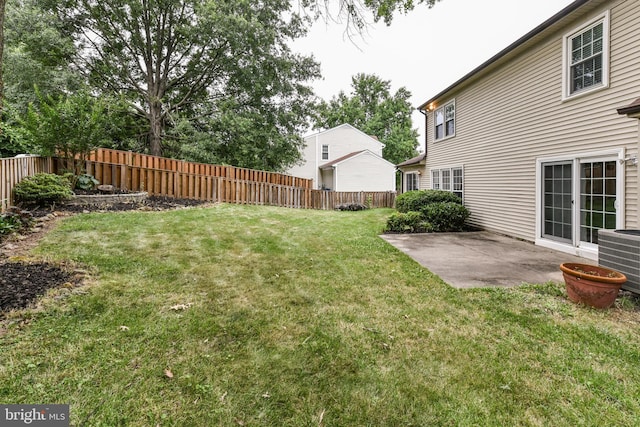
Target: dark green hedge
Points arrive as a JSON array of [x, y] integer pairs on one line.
[[415, 201]]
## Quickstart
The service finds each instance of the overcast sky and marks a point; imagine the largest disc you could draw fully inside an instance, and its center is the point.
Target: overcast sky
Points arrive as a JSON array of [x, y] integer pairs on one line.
[[426, 50]]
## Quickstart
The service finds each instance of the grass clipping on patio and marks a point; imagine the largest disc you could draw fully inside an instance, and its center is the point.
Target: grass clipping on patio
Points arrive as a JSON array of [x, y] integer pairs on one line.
[[239, 315]]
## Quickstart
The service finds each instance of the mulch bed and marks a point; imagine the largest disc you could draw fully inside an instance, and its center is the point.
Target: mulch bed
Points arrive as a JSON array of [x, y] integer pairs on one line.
[[21, 283]]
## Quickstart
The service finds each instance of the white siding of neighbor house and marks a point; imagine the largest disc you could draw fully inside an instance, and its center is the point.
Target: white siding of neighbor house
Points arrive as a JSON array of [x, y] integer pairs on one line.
[[342, 140], [515, 114], [364, 172], [310, 160]]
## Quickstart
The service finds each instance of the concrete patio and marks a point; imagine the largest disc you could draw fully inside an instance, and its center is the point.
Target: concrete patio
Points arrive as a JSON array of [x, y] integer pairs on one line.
[[482, 259]]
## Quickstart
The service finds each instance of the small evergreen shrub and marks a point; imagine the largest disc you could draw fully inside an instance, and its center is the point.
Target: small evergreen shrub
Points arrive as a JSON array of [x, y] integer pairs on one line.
[[409, 222], [43, 189], [418, 199], [446, 216]]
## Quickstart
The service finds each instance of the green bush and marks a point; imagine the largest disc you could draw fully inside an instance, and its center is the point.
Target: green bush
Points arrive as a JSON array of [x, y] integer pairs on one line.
[[86, 182], [418, 199], [43, 189], [8, 224], [446, 216], [409, 222], [15, 219]]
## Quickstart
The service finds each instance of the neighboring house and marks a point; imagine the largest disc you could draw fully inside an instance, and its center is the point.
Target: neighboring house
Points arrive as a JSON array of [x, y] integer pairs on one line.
[[345, 159], [541, 141]]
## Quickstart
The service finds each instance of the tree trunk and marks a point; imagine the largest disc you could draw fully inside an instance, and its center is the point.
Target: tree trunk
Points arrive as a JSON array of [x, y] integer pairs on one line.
[[155, 128]]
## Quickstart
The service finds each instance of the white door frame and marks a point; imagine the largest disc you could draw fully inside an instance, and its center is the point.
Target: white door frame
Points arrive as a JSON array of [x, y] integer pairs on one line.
[[576, 248]]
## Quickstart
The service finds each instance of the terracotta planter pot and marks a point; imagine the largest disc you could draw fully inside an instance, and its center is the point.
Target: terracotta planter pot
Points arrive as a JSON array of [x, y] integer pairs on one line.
[[592, 285]]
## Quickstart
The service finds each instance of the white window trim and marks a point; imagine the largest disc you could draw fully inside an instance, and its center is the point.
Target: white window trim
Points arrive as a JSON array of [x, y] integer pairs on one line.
[[322, 151], [450, 169], [566, 61], [417, 174], [587, 251], [444, 123]]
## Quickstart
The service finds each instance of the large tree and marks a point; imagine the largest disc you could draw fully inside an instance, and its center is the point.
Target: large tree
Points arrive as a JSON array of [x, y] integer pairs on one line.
[[373, 109], [37, 54], [170, 57]]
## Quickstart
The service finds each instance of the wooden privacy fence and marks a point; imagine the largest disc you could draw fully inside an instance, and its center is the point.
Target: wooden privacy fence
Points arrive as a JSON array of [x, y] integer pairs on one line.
[[171, 183], [14, 169], [329, 200], [161, 176], [128, 158]]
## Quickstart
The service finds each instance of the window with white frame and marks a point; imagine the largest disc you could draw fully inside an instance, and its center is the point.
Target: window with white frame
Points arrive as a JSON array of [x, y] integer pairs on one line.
[[435, 179], [445, 120], [586, 57], [457, 183], [448, 179], [325, 152], [445, 179], [412, 181]]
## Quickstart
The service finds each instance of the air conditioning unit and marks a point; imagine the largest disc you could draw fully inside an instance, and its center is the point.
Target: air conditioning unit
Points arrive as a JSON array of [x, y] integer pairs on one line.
[[620, 250]]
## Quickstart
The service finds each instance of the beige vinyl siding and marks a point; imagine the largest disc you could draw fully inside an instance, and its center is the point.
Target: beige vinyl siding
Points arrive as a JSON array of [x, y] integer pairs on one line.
[[515, 114], [423, 182]]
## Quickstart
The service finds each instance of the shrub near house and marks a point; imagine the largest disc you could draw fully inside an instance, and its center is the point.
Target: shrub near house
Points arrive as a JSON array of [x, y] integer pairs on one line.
[[424, 211]]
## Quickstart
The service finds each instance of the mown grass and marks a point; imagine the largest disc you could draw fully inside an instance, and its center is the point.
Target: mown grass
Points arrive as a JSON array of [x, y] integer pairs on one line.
[[305, 318]]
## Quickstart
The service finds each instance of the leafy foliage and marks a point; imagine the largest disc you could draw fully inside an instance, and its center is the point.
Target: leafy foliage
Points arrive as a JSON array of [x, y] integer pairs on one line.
[[417, 200], [351, 207], [428, 210], [37, 53], [14, 219], [68, 127], [356, 13], [86, 182], [183, 60], [42, 189], [374, 110], [446, 216], [409, 222]]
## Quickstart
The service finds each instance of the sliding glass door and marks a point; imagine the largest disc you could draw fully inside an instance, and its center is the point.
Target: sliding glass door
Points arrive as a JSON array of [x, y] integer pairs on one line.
[[579, 197]]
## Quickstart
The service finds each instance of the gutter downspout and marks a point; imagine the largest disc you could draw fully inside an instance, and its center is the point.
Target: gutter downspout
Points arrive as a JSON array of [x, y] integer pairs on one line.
[[426, 126], [426, 141]]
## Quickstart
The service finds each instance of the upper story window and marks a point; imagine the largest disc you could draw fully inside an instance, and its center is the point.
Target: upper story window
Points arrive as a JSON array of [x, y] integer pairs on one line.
[[445, 120], [586, 57], [325, 152]]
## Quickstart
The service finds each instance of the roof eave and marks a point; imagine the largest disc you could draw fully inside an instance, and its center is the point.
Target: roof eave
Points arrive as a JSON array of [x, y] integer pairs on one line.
[[513, 46], [632, 110]]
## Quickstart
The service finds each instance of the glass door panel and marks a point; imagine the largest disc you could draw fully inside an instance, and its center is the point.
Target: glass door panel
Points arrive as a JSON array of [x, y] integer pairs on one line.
[[597, 198], [557, 201]]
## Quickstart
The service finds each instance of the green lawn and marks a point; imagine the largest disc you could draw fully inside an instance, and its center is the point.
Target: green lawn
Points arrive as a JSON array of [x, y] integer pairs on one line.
[[277, 317]]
